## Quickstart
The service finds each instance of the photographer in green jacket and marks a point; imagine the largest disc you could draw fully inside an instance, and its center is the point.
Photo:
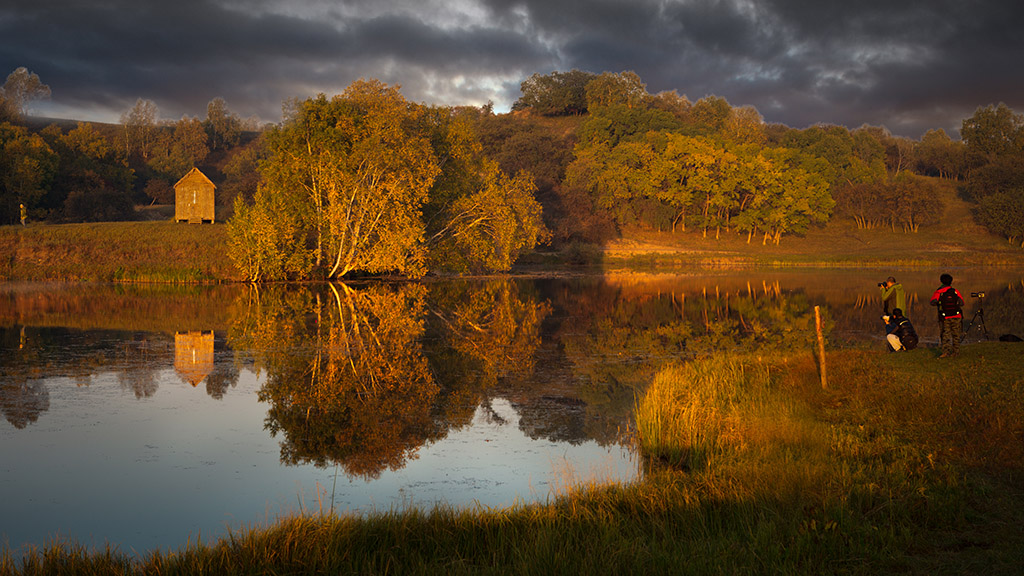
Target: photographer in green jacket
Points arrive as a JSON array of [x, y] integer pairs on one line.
[[892, 295]]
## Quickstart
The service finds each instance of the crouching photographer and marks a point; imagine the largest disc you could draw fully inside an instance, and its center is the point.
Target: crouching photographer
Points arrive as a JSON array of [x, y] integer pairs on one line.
[[900, 333]]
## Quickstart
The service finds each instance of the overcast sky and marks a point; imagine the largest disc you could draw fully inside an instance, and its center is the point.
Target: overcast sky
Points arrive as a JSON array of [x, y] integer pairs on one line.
[[908, 65]]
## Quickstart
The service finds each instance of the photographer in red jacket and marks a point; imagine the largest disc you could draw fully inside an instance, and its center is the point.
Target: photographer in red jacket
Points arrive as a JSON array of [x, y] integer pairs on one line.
[[950, 304]]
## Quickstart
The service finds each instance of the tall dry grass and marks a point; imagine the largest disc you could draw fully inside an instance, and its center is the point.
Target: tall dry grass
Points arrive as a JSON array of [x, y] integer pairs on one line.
[[116, 252]]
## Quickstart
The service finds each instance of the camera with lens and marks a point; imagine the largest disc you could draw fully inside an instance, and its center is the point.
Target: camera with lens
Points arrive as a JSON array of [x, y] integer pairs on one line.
[[881, 284], [977, 294]]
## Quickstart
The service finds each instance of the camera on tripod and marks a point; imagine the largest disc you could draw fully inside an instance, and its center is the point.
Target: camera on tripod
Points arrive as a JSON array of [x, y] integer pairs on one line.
[[979, 317]]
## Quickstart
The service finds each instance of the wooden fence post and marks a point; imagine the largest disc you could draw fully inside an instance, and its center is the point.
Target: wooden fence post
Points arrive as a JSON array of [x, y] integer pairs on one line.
[[821, 346]]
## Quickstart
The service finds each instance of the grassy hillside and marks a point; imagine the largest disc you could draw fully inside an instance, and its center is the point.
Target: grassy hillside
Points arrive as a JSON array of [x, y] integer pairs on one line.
[[956, 241], [116, 251]]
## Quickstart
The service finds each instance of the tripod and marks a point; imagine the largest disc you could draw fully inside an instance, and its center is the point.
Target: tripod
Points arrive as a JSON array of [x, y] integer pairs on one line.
[[979, 317]]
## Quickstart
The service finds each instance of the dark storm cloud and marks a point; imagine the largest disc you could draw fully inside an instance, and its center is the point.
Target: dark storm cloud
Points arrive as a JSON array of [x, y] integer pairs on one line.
[[909, 66], [183, 54]]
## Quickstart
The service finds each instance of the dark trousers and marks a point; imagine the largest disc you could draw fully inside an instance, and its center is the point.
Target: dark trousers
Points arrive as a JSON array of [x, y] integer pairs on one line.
[[952, 330]]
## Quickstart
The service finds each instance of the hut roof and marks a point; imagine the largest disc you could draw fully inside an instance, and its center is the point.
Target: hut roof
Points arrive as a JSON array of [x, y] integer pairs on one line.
[[194, 173]]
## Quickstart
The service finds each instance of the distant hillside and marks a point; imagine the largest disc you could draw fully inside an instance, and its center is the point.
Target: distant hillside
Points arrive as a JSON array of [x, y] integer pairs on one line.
[[956, 241]]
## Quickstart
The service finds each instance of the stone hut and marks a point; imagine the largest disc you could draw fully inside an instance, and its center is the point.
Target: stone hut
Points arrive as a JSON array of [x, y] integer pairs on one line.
[[194, 198]]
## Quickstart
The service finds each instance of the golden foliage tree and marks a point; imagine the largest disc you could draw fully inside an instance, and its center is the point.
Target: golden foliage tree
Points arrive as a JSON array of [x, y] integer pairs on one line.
[[491, 226], [371, 183], [265, 238], [360, 171]]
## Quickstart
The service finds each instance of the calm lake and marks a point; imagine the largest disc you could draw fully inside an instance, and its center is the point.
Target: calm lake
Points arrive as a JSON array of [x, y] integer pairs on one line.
[[148, 417]]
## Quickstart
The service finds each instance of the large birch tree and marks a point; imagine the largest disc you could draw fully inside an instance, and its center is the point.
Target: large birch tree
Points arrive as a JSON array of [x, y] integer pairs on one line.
[[362, 172]]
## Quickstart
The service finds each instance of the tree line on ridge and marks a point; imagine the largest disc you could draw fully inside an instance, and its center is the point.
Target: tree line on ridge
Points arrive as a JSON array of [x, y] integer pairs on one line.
[[368, 182]]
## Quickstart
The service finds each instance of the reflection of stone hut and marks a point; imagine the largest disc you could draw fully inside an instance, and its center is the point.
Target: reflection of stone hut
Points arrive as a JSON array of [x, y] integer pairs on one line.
[[193, 356], [194, 198]]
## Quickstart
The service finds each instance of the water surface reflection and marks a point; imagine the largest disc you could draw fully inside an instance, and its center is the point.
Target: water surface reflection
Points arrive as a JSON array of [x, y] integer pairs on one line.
[[141, 415]]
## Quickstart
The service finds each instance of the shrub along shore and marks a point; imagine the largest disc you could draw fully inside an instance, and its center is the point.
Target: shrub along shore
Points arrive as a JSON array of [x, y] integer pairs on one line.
[[914, 466]]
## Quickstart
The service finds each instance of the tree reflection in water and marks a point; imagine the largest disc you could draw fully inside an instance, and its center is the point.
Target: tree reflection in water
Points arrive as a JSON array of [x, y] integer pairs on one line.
[[22, 398], [362, 377], [346, 381], [479, 334], [568, 355], [23, 401]]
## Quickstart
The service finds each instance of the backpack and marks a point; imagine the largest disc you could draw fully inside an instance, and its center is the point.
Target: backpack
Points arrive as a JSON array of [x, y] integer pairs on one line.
[[949, 303], [907, 334]]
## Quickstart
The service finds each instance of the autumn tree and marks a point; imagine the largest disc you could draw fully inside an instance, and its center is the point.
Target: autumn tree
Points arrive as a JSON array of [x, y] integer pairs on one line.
[[715, 184], [672, 102], [478, 218], [93, 200], [706, 174], [268, 239], [863, 202], [555, 94], [139, 129], [488, 229], [914, 201], [779, 195], [993, 131], [27, 167], [710, 115], [241, 172], [160, 190], [352, 173], [848, 159], [994, 142], [375, 184], [89, 185], [8, 114], [899, 151], [939, 155], [223, 127], [744, 126], [609, 89], [609, 125], [617, 181], [905, 201], [19, 90], [523, 144], [1002, 213], [176, 152]]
